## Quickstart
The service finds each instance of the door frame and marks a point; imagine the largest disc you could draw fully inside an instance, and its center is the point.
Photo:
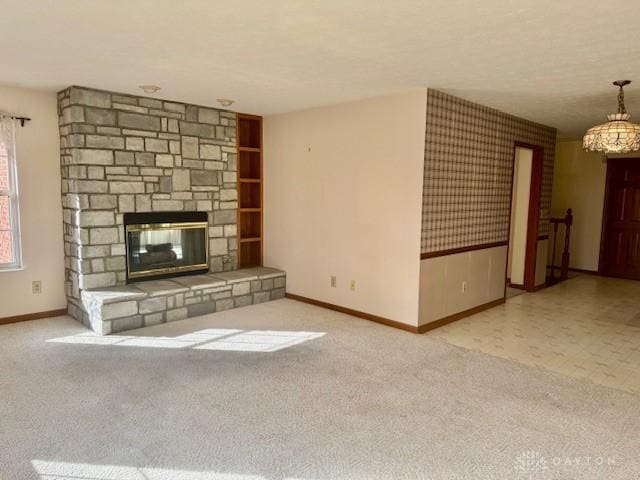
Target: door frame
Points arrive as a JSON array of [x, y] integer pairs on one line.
[[605, 217], [533, 215], [605, 213]]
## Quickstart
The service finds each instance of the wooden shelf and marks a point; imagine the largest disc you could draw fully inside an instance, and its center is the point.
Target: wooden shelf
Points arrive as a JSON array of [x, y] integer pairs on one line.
[[249, 195], [249, 164], [249, 128], [250, 239], [250, 254], [250, 225]]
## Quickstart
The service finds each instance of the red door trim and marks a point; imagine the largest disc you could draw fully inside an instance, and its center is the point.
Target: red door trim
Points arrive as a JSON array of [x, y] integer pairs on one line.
[[533, 217]]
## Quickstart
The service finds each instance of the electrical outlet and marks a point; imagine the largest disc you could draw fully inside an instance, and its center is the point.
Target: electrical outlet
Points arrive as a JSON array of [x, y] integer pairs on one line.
[[352, 285], [36, 286], [334, 281], [464, 287]]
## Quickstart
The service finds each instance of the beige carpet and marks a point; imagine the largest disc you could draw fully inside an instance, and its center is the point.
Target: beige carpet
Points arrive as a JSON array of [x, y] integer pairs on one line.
[[260, 394]]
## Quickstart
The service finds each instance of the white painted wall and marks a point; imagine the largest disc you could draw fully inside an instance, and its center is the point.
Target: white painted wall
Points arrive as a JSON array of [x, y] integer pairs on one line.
[[579, 183], [519, 214], [343, 197], [441, 278], [38, 157]]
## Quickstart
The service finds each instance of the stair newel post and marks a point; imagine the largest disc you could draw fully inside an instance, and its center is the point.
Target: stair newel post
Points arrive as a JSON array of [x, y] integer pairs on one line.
[[568, 221], [552, 273]]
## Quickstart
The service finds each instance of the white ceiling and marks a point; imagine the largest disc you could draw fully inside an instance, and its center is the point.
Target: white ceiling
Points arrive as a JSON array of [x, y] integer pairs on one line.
[[550, 61]]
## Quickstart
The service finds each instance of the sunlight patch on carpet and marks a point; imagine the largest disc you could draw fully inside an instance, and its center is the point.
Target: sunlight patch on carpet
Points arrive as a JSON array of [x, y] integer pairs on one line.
[[48, 470], [222, 339]]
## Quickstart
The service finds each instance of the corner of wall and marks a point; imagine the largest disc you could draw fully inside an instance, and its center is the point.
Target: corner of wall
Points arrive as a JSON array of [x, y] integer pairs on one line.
[[467, 201]]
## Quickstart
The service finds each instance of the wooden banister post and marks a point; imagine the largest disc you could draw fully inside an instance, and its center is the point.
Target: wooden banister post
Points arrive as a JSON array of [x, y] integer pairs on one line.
[[568, 221], [552, 273]]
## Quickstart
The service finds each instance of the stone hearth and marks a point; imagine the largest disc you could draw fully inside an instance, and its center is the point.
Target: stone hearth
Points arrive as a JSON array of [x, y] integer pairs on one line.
[[117, 309]]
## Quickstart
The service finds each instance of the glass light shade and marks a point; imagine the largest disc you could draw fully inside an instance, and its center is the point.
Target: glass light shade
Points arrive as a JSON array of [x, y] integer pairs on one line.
[[618, 135]]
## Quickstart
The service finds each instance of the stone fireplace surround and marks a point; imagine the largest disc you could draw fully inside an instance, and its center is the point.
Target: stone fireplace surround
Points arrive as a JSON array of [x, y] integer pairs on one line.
[[123, 153]]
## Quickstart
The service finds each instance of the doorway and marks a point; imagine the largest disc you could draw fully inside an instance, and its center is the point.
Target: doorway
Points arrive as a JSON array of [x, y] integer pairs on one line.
[[620, 243], [524, 269]]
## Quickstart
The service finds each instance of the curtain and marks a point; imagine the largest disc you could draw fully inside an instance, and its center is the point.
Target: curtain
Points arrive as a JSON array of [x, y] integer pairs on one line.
[[9, 224]]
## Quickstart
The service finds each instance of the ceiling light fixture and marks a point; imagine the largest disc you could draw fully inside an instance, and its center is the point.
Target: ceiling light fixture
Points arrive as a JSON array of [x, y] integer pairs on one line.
[[618, 135], [225, 102], [149, 88]]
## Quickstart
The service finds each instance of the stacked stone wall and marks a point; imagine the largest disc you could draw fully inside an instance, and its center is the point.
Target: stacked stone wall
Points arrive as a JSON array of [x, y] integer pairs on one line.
[[124, 153]]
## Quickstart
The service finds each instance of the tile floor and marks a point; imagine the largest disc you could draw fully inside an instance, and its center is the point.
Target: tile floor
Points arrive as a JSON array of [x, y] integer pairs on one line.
[[514, 292], [586, 327]]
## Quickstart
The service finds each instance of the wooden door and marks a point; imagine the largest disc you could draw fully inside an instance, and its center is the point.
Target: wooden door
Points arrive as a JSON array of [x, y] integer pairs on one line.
[[620, 243]]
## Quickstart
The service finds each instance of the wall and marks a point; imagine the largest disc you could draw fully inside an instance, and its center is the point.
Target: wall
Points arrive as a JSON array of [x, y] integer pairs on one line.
[[519, 215], [122, 153], [579, 183], [37, 150], [343, 189], [468, 172]]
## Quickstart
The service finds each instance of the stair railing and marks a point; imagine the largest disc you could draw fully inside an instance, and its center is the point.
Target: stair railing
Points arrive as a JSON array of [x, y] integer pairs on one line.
[[567, 221]]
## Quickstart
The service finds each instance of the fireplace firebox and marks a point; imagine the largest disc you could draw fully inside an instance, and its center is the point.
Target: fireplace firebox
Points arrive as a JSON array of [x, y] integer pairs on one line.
[[166, 244]]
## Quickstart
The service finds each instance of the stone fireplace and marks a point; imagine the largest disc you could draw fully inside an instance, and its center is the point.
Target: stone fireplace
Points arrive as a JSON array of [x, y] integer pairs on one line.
[[147, 163]]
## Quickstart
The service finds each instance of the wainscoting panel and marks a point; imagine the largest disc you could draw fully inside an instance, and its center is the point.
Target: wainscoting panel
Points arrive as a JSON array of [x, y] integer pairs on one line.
[[441, 282]]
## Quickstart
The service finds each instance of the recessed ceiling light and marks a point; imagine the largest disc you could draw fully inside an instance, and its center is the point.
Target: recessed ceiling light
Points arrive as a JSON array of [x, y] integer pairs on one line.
[[225, 102], [149, 88]]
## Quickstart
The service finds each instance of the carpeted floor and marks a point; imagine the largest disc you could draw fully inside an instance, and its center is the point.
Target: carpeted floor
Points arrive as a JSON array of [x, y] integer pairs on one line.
[[192, 401]]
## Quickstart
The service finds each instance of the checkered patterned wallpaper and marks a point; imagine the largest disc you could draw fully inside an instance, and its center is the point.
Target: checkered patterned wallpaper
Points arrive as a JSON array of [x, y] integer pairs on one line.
[[468, 165]]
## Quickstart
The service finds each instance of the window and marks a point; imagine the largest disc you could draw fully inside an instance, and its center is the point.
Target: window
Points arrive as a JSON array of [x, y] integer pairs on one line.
[[10, 251]]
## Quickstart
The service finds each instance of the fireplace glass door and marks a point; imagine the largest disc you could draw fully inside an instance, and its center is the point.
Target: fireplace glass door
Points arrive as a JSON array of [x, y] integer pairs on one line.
[[165, 249]]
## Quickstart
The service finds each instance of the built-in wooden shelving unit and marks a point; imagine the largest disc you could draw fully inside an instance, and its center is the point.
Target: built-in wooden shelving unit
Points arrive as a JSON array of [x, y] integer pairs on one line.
[[249, 190]]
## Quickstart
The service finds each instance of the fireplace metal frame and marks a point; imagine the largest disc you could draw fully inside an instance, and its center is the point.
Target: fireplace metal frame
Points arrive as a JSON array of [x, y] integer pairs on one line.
[[166, 221]]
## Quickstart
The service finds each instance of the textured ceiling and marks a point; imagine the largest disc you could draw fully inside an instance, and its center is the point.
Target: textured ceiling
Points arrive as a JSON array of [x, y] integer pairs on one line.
[[548, 61]]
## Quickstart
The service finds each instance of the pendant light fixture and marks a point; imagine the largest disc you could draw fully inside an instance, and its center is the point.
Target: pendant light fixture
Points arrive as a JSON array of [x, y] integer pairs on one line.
[[618, 135]]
